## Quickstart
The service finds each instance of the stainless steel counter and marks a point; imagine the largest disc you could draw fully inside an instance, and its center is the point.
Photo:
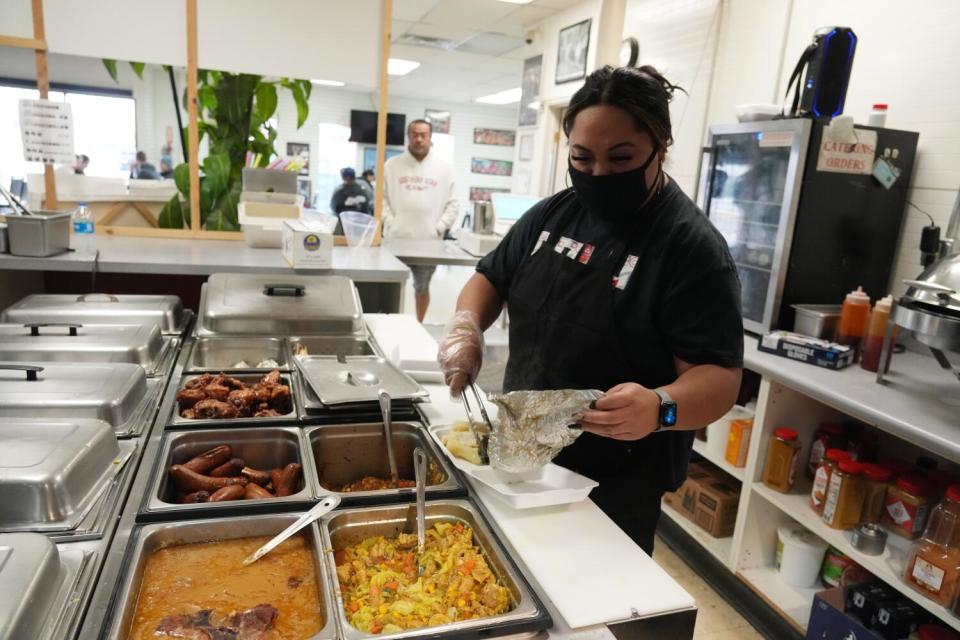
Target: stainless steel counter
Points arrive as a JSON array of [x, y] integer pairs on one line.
[[429, 252]]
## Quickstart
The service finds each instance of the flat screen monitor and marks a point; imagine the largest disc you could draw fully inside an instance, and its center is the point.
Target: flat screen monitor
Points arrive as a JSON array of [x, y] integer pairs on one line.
[[508, 207], [363, 127]]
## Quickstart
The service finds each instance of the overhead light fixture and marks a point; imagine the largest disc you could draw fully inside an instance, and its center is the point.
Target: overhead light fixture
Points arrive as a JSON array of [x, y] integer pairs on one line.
[[504, 97], [401, 67], [328, 83]]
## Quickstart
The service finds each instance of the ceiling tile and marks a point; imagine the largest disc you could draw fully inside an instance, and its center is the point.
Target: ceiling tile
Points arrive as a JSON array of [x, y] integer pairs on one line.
[[470, 14], [412, 10], [490, 44], [457, 34], [420, 54], [517, 22], [399, 27]]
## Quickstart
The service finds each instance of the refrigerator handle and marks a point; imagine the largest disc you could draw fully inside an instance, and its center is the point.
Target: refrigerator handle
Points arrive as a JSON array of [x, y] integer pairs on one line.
[[707, 188]]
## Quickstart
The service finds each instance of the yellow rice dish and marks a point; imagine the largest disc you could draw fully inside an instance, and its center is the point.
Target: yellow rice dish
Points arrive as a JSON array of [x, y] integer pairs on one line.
[[383, 594]]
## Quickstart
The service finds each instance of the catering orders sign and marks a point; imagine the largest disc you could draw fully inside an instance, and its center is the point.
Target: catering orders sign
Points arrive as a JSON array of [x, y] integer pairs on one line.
[[852, 154]]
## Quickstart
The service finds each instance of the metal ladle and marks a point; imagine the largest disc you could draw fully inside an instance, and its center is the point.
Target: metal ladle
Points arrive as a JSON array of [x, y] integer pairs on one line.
[[324, 507], [420, 474], [388, 434]]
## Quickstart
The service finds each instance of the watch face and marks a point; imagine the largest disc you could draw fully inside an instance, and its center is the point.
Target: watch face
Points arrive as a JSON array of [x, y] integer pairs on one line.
[[668, 414]]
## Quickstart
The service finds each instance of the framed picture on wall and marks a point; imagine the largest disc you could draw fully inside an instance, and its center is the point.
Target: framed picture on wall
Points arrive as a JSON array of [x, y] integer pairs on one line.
[[572, 52], [530, 92], [370, 157], [439, 120], [489, 167], [300, 150], [495, 137], [482, 194], [526, 147]]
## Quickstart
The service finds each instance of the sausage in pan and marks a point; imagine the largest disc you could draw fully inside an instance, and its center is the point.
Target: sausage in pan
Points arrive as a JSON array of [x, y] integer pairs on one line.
[[233, 492], [262, 478], [196, 497], [255, 492], [191, 481], [229, 469], [285, 480], [209, 459]]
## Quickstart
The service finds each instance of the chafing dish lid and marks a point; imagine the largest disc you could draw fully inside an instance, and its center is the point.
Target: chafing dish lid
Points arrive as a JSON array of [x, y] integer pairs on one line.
[[938, 287], [281, 305], [48, 468], [356, 379], [68, 342], [29, 579], [167, 311], [109, 392]]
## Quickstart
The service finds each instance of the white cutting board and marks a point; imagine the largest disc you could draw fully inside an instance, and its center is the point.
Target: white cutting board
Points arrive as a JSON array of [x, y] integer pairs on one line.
[[591, 571]]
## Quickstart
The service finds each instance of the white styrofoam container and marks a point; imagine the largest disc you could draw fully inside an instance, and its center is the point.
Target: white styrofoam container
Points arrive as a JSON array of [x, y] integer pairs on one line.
[[551, 485]]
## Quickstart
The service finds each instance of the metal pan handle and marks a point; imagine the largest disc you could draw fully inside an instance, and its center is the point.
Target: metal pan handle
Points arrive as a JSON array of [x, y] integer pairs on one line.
[[933, 287], [295, 290], [35, 327], [30, 369], [107, 296]]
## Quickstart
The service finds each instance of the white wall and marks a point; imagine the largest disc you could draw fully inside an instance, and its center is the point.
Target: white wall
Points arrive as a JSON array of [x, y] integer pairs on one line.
[[334, 105]]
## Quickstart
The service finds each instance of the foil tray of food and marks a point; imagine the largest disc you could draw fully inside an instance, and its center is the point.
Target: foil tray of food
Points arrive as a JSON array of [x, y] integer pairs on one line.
[[239, 399]]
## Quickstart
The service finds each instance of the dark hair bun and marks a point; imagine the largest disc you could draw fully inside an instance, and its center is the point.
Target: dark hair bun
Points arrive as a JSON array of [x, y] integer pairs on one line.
[[668, 87]]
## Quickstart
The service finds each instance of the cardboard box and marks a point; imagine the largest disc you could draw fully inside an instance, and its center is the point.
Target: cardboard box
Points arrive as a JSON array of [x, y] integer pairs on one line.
[[306, 247], [717, 499], [684, 499], [829, 622], [738, 442], [822, 353]]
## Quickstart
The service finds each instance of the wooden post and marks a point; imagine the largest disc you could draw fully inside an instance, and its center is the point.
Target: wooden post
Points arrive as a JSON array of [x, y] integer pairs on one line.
[[382, 112], [43, 84], [193, 137]]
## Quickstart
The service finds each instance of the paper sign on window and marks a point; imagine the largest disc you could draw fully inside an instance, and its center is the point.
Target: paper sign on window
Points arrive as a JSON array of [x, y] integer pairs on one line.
[[46, 129]]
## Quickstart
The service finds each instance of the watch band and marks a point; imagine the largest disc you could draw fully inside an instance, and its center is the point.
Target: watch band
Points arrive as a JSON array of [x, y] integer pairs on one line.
[[667, 415]]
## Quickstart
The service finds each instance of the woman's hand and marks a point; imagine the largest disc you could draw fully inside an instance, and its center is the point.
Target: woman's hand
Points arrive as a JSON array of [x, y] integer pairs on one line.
[[628, 411], [461, 352]]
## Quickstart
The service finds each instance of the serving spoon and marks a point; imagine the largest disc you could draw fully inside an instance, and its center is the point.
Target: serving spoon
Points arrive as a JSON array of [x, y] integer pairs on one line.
[[420, 473], [321, 509], [388, 434]]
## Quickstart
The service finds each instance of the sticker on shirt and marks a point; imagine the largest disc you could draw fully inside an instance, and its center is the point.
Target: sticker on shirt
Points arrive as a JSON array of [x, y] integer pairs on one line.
[[562, 244], [544, 236], [573, 249], [621, 280], [585, 253]]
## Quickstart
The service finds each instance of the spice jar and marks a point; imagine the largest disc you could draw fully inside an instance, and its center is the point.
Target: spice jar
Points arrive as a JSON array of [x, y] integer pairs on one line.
[[821, 479], [933, 567], [844, 496], [829, 435], [934, 632], [781, 469], [877, 481], [906, 506]]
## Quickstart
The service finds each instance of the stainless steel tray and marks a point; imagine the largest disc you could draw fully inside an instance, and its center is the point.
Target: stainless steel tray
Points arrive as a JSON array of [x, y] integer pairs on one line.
[[99, 308], [234, 303], [333, 346], [146, 539], [341, 454], [212, 355], [178, 422], [346, 527], [44, 586], [117, 393], [263, 448], [353, 380], [140, 344]]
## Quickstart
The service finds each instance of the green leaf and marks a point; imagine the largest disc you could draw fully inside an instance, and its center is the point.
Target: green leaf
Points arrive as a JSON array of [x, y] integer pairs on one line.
[[138, 68], [303, 107], [307, 87], [111, 66], [181, 177], [207, 98], [224, 217], [166, 68], [266, 102], [216, 170], [171, 216]]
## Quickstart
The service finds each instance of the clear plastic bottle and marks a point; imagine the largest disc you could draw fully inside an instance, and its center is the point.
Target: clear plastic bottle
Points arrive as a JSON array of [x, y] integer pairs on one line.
[[933, 567], [84, 240], [853, 320], [878, 115]]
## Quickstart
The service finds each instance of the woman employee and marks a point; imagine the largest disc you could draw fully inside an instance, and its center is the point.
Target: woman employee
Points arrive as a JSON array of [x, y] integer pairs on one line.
[[620, 284]]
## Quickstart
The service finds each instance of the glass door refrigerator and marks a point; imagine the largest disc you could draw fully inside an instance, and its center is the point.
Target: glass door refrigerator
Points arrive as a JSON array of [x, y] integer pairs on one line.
[[797, 234]]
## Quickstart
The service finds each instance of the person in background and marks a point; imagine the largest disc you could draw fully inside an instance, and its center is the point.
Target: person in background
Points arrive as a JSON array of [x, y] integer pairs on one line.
[[143, 170], [166, 162], [81, 164], [418, 201], [370, 177], [351, 195]]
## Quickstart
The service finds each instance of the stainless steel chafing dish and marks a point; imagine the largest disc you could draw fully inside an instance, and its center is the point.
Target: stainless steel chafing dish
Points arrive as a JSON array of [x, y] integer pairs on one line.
[[98, 308], [61, 476], [234, 303], [149, 538], [177, 421], [225, 353], [264, 448], [332, 381], [347, 527], [341, 454], [140, 344], [44, 586], [333, 346], [117, 393]]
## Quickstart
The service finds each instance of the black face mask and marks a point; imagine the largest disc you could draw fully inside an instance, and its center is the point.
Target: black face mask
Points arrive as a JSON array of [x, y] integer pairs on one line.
[[615, 195]]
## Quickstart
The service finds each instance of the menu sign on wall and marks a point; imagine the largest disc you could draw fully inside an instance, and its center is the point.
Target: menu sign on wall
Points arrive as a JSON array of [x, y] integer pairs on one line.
[[46, 129]]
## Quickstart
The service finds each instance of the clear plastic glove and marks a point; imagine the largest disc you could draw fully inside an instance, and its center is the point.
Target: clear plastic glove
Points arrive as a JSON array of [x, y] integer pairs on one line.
[[461, 352]]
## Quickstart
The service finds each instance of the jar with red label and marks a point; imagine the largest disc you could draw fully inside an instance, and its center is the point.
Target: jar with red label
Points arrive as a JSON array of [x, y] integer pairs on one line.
[[878, 480], [829, 435], [906, 506], [933, 567], [781, 470], [821, 479]]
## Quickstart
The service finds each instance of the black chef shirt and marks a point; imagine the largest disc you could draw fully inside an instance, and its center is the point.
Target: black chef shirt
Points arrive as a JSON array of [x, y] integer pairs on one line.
[[681, 299]]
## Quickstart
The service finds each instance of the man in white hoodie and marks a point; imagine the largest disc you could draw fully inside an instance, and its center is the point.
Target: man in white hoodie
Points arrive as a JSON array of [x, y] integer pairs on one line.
[[418, 200]]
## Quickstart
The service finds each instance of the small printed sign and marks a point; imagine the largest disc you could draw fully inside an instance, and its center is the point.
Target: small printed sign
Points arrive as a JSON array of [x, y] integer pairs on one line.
[[854, 155], [46, 129]]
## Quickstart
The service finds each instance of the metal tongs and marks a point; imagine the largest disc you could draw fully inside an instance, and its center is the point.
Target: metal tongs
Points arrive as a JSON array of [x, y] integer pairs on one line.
[[480, 438], [324, 507], [420, 474]]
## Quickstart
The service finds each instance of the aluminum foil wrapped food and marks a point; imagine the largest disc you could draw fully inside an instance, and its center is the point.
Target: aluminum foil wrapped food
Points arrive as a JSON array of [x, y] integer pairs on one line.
[[533, 426]]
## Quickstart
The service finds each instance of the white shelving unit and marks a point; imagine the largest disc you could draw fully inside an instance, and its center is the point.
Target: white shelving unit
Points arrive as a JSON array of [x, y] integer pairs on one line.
[[916, 415]]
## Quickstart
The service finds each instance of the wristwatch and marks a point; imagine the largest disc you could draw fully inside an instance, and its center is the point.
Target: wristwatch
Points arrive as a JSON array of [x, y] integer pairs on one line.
[[668, 411]]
